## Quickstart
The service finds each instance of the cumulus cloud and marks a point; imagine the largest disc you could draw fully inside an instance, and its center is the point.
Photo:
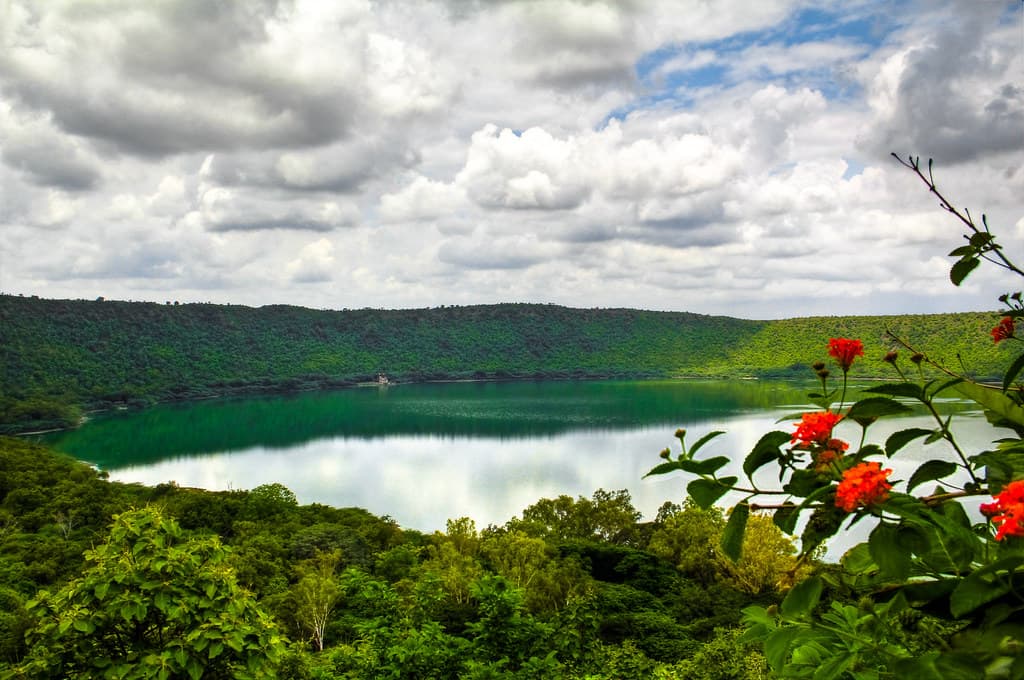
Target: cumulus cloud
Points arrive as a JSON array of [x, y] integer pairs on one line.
[[315, 263], [955, 91], [224, 209], [727, 157]]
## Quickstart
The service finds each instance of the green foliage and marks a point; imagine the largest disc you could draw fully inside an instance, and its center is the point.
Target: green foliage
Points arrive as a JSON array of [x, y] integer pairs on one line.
[[607, 516], [151, 604], [65, 354], [933, 592]]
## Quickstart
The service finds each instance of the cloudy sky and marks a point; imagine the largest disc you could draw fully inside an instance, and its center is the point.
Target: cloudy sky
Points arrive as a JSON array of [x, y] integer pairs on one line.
[[716, 156]]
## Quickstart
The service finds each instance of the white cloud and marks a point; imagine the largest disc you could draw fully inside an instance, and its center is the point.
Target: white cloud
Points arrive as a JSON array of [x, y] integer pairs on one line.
[[315, 263], [421, 153]]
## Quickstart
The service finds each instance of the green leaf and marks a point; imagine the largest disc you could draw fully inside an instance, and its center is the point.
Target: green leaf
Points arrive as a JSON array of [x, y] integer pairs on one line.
[[897, 440], [785, 518], [704, 467], [876, 407], [663, 468], [961, 251], [776, 646], [1011, 373], [902, 389], [802, 598], [705, 492], [960, 269], [892, 558], [982, 586], [993, 400], [857, 560], [933, 469], [790, 417], [84, 626], [980, 239], [834, 667], [704, 440], [732, 535], [765, 451]]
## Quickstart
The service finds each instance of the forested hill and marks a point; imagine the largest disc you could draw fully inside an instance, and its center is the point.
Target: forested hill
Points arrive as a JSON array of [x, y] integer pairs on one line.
[[95, 353]]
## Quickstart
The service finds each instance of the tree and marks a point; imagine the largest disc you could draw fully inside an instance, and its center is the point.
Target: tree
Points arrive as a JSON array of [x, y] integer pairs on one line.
[[316, 594], [151, 603], [689, 539], [608, 516]]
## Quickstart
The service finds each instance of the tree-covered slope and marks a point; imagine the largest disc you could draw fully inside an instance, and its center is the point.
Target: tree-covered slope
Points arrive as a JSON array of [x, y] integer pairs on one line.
[[92, 353]]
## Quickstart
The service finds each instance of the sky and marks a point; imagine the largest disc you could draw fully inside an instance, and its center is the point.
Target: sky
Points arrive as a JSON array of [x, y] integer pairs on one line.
[[723, 157]]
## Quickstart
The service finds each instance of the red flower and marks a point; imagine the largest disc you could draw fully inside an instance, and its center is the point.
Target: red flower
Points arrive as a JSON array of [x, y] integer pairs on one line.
[[1007, 513], [815, 427], [823, 460], [1003, 330], [844, 351], [862, 485]]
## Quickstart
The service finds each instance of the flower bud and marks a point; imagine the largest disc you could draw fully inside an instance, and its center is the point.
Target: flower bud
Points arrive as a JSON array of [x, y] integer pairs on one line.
[[891, 356], [917, 358], [823, 373], [818, 365]]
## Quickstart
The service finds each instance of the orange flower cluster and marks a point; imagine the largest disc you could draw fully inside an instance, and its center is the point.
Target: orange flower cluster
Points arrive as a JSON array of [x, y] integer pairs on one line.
[[822, 461], [815, 428], [844, 351], [1007, 513], [863, 485], [1003, 330]]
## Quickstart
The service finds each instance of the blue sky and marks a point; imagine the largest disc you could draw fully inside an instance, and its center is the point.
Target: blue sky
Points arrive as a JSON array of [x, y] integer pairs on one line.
[[723, 158]]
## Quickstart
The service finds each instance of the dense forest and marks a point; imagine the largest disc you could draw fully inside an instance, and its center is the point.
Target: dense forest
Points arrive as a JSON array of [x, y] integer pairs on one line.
[[63, 356], [573, 588], [248, 583]]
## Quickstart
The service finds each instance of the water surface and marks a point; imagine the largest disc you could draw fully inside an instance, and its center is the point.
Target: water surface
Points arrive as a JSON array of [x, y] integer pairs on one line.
[[429, 452]]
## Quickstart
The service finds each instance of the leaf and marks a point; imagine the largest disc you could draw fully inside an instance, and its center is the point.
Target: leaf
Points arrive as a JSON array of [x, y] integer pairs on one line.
[[1011, 373], [84, 626], [662, 469], [933, 469], [961, 251], [857, 560], [980, 239], [876, 407], [785, 517], [993, 400], [704, 440], [732, 535], [960, 269], [776, 646], [704, 467], [834, 667], [705, 492], [802, 598], [899, 390], [982, 586], [892, 558], [897, 440], [765, 451], [790, 417]]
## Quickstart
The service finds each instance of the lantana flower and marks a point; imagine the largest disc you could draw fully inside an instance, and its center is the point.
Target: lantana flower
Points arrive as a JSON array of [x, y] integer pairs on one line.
[[862, 485], [1003, 330], [844, 351], [815, 427], [1007, 512], [823, 460]]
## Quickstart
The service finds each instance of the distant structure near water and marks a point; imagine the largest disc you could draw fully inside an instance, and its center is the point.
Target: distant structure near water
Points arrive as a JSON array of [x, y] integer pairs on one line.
[[382, 379]]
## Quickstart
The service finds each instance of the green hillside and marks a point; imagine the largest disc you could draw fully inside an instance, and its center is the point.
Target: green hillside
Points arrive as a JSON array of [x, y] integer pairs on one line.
[[62, 354]]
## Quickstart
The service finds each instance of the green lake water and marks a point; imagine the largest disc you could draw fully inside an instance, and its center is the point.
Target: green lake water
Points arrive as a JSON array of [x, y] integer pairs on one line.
[[425, 453]]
